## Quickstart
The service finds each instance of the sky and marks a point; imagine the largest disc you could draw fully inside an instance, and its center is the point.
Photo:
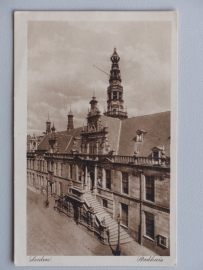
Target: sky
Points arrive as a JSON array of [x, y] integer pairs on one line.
[[60, 72]]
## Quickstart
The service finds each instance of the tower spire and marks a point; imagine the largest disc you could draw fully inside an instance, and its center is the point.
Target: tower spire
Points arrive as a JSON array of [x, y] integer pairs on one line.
[[48, 125], [115, 107], [70, 120]]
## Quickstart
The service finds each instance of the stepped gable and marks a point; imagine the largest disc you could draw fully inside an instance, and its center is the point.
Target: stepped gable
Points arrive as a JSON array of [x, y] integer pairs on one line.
[[157, 127], [64, 140], [114, 127]]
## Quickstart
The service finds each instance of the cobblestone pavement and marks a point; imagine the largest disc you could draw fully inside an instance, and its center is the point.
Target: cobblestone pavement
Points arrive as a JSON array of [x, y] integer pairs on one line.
[[49, 233]]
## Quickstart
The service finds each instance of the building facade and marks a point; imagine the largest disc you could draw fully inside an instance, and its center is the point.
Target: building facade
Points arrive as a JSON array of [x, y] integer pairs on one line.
[[121, 163]]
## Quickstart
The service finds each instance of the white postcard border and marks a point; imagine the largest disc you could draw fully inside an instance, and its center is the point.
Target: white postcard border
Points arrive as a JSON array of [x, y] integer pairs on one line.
[[20, 132]]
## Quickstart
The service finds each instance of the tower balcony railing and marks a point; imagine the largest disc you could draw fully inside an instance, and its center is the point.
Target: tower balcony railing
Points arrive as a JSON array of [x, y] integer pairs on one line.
[[115, 113]]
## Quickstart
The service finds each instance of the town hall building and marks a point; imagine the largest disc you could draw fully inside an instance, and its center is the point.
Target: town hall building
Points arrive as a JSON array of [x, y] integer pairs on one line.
[[113, 169]]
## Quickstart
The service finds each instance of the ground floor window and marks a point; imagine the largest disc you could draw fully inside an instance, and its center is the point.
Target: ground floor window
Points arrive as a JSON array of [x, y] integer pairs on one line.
[[60, 189], [108, 179], [105, 203], [124, 214], [149, 225]]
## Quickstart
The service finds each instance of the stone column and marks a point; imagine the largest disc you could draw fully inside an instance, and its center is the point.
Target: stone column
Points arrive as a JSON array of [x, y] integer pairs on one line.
[[76, 172], [88, 181], [88, 148], [97, 147], [85, 184], [103, 178], [95, 179]]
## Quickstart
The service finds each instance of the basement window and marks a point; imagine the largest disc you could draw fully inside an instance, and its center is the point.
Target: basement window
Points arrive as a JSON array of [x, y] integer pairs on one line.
[[163, 241]]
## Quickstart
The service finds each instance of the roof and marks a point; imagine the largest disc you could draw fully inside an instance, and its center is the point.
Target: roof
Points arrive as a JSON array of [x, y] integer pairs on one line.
[[157, 127], [65, 140], [122, 135]]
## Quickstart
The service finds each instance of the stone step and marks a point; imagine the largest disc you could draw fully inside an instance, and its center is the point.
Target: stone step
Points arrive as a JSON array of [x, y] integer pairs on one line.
[[110, 222], [116, 233], [113, 226], [122, 237]]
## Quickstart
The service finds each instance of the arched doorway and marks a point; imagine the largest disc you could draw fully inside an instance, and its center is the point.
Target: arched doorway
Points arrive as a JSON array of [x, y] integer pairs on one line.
[[91, 181]]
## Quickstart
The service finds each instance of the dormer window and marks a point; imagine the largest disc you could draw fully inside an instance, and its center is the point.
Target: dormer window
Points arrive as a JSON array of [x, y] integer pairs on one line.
[[140, 134], [139, 138], [157, 153]]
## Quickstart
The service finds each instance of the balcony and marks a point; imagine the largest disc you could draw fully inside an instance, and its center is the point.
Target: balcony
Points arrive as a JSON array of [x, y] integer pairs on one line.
[[145, 161]]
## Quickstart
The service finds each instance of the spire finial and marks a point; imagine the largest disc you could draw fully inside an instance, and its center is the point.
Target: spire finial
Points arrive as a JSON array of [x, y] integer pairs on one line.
[[48, 116]]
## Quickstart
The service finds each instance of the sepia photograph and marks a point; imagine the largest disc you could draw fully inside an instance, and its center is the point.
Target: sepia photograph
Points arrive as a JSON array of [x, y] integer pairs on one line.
[[99, 127]]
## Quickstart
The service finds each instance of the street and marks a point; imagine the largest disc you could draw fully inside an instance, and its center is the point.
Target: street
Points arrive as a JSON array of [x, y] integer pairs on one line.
[[49, 233]]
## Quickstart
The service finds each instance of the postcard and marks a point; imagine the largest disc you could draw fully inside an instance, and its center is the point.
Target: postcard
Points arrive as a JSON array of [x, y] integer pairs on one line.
[[95, 135]]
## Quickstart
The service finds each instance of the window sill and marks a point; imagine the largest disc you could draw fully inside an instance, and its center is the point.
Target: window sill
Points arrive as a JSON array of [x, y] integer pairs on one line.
[[149, 201], [124, 226], [149, 238]]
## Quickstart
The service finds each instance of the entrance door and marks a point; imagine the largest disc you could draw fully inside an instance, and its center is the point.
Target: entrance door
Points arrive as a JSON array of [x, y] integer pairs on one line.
[[91, 180]]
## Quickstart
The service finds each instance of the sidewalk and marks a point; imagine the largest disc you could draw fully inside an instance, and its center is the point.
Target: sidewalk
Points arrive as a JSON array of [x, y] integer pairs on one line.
[[50, 233]]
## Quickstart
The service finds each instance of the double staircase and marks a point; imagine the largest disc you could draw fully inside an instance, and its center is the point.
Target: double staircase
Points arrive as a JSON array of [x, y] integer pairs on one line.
[[110, 222]]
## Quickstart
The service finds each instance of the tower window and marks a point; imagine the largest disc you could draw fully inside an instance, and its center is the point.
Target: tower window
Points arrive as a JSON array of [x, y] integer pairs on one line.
[[114, 95]]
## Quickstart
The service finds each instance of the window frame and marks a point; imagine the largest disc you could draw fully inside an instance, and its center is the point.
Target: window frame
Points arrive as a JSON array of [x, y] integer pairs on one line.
[[121, 219], [104, 200], [151, 235], [152, 187], [159, 241], [109, 179], [124, 181], [61, 171], [70, 171]]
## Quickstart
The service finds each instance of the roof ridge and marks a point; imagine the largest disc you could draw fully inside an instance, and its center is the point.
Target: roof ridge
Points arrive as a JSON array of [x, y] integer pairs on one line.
[[146, 115]]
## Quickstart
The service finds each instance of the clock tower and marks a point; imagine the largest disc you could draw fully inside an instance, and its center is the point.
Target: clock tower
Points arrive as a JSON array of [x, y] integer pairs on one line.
[[115, 107]]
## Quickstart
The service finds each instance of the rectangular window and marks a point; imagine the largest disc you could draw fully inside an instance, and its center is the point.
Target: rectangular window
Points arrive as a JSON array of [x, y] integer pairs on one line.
[[125, 182], [149, 225], [56, 168], [38, 165], [163, 241], [105, 203], [108, 179], [61, 173], [124, 214], [156, 155], [149, 185], [71, 171], [43, 165], [79, 176], [60, 189]]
